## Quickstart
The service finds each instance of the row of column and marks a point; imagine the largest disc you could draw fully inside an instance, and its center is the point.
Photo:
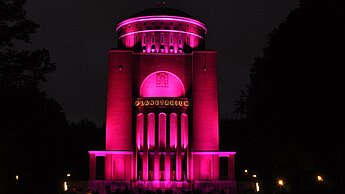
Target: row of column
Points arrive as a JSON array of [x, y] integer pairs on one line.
[[204, 165], [162, 167], [157, 133]]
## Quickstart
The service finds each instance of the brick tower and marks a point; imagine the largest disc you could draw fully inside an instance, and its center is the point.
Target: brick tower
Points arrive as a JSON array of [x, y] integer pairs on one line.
[[162, 109]]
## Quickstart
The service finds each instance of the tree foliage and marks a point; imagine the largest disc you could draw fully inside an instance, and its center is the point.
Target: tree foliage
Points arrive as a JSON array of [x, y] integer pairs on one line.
[[31, 122], [19, 67], [294, 94], [37, 142], [81, 137]]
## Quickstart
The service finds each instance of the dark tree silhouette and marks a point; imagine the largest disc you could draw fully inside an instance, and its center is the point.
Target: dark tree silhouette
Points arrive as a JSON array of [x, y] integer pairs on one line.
[[37, 142], [20, 68], [81, 137], [293, 101], [31, 123]]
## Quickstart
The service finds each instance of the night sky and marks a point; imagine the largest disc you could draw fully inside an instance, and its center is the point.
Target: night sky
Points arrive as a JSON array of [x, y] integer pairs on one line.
[[79, 33]]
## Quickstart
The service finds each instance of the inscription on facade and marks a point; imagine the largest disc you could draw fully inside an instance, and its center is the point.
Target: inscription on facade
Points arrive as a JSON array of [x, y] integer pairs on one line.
[[162, 102]]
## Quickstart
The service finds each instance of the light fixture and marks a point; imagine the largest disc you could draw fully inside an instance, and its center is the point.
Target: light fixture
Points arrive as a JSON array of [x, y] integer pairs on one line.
[[65, 188], [257, 187], [280, 182]]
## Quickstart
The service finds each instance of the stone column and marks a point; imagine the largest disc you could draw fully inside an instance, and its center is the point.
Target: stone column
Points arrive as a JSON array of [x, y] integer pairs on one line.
[[156, 165], [156, 155], [167, 153], [178, 150]]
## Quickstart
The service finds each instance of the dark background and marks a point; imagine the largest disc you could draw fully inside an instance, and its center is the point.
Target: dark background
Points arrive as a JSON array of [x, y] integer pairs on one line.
[[287, 120], [79, 33]]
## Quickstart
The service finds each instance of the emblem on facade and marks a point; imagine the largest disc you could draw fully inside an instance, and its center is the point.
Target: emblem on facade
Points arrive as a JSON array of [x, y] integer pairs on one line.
[[162, 79]]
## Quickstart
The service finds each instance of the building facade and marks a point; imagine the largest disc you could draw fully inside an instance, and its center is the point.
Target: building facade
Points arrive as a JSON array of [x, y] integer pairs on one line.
[[162, 129]]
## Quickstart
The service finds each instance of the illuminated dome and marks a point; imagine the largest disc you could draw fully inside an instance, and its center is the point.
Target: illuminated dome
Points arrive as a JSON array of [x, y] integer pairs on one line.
[[161, 30]]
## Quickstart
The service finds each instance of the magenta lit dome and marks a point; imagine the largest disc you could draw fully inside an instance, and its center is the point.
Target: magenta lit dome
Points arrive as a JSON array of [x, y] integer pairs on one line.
[[161, 30]]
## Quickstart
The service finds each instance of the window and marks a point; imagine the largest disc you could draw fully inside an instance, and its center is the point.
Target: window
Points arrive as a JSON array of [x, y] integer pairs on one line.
[[161, 163], [100, 160]]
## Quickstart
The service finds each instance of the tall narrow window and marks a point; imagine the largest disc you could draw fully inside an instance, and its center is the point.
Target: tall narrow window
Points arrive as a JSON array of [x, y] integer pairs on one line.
[[162, 167], [162, 38], [140, 168], [173, 168], [100, 161], [223, 165], [151, 168], [161, 163], [184, 168]]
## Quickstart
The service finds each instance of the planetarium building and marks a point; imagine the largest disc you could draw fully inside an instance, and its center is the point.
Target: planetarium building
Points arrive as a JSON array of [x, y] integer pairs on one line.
[[162, 125]]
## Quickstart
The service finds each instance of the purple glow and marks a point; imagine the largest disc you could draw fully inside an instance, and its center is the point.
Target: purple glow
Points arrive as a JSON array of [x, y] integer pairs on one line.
[[146, 96], [162, 18], [173, 130], [220, 153], [151, 130], [162, 84], [103, 153], [140, 130], [206, 168]]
